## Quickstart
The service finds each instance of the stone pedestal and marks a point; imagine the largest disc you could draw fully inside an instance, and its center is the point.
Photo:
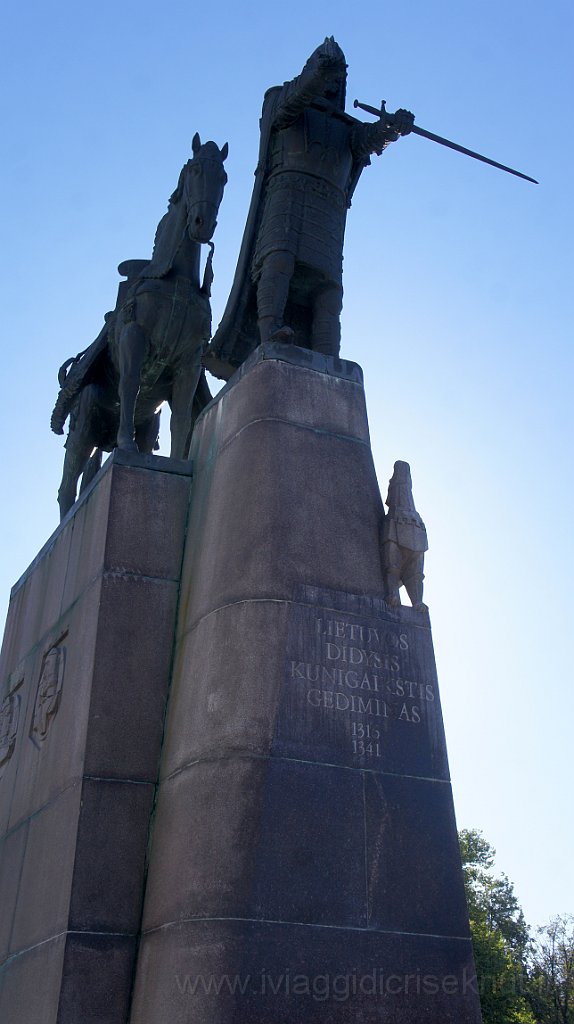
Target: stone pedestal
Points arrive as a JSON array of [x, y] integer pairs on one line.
[[304, 864], [297, 862], [84, 674]]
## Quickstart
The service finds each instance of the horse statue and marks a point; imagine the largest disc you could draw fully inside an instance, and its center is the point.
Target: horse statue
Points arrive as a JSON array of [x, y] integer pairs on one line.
[[151, 346]]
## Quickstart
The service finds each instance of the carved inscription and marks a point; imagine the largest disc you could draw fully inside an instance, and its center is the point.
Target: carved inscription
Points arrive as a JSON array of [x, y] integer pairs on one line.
[[360, 687], [362, 670], [49, 692], [9, 720]]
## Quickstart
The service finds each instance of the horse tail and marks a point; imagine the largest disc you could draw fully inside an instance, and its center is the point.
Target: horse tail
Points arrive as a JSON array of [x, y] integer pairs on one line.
[[61, 411], [70, 384]]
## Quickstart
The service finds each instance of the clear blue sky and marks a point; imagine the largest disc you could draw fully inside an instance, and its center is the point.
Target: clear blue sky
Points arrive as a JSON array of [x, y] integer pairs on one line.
[[458, 306]]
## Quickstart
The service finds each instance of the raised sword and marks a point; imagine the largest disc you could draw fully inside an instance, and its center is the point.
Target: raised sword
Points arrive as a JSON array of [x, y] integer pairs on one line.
[[389, 119]]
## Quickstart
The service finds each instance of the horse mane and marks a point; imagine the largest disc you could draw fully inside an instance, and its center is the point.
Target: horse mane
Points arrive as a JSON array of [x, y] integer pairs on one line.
[[177, 194], [174, 199]]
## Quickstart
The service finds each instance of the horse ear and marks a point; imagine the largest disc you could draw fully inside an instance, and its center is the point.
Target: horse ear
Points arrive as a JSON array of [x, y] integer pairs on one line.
[[196, 144], [224, 151]]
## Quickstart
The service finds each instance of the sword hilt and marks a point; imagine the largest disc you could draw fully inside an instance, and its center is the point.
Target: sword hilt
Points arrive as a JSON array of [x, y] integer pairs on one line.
[[389, 118]]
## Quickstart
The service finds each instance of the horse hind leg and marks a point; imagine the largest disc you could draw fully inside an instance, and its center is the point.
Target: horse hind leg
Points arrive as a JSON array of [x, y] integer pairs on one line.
[[184, 388]]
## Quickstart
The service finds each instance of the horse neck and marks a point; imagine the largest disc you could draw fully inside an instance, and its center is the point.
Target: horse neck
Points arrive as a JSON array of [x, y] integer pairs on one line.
[[186, 261]]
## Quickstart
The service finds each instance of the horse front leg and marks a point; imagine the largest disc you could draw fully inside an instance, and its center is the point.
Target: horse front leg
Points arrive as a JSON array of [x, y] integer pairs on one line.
[[147, 434], [185, 383], [132, 351], [92, 469]]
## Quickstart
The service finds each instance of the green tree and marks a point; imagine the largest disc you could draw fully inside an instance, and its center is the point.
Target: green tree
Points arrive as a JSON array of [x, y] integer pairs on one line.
[[499, 934], [551, 983]]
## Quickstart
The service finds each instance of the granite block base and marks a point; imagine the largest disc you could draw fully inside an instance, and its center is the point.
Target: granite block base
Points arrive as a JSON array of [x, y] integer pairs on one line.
[[224, 786], [85, 668]]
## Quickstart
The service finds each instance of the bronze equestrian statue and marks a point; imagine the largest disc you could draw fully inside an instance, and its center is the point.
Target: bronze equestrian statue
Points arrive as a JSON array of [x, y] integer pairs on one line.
[[151, 346]]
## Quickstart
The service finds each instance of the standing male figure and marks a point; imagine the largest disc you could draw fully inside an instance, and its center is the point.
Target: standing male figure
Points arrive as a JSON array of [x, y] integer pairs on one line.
[[403, 541], [288, 283]]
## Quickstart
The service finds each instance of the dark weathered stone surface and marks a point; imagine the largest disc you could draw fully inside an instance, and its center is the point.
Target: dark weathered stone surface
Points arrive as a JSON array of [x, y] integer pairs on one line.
[[110, 856], [309, 866], [45, 879], [214, 865], [136, 618], [30, 988], [306, 478], [12, 852], [253, 838], [414, 878], [304, 819], [86, 662], [299, 973], [41, 771], [143, 521], [226, 683], [96, 978]]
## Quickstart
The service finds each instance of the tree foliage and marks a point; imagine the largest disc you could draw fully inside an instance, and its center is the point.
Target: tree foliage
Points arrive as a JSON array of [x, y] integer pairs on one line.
[[520, 981], [499, 934], [551, 982]]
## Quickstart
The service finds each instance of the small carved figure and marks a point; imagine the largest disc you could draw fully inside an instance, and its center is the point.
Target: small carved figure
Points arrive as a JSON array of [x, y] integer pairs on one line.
[[288, 283], [9, 718], [151, 346], [49, 693], [404, 541]]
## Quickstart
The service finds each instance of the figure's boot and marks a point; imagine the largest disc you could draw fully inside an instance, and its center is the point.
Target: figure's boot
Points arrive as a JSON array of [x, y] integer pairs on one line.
[[271, 329], [282, 333]]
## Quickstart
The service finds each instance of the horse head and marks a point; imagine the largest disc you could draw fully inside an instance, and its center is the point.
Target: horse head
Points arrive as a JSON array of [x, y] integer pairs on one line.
[[203, 184]]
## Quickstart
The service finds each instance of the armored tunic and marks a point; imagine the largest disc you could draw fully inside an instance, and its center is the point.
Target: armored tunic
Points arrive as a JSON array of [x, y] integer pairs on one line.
[[403, 540], [403, 525], [305, 208]]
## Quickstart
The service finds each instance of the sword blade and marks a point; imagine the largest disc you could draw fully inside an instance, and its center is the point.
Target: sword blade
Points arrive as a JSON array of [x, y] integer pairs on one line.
[[446, 142], [469, 152]]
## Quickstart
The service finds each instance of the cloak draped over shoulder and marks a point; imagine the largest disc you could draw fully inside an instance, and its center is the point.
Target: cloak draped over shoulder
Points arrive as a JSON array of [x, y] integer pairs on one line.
[[237, 335]]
